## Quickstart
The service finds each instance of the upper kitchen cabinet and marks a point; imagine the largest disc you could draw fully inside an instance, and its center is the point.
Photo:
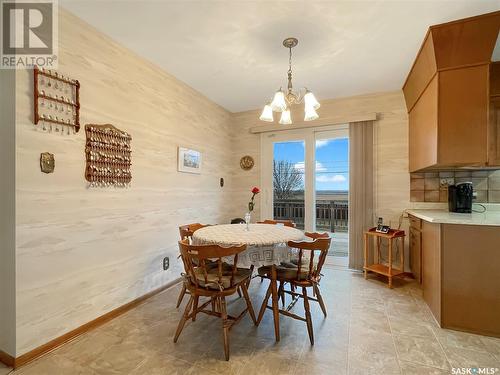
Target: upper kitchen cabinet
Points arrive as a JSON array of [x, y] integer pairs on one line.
[[494, 121], [447, 95]]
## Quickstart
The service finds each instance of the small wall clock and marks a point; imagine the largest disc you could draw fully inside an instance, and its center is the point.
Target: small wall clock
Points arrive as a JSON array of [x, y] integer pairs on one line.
[[246, 162]]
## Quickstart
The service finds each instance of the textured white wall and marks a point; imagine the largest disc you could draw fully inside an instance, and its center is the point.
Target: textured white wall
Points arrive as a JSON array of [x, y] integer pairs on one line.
[[7, 213], [82, 252], [392, 180]]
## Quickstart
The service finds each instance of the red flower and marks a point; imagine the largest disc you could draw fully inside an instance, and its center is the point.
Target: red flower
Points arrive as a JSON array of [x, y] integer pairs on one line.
[[255, 190]]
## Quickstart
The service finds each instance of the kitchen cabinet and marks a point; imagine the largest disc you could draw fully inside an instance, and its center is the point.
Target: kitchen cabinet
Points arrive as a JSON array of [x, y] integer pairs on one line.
[[416, 253], [459, 268], [494, 112], [447, 94]]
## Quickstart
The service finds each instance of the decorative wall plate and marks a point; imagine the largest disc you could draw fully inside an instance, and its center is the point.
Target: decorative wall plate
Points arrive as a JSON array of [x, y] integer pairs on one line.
[[246, 162], [47, 162]]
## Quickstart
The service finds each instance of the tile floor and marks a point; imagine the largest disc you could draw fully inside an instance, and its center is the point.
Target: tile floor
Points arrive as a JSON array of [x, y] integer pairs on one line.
[[370, 330]]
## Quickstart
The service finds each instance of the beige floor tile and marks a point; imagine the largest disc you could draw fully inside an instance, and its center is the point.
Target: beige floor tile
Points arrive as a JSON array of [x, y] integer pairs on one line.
[[305, 368], [120, 358], [54, 364], [370, 320], [421, 350], [366, 322], [459, 357], [492, 345], [408, 368], [87, 348], [4, 370], [371, 352], [461, 340], [162, 365], [400, 326], [264, 363]]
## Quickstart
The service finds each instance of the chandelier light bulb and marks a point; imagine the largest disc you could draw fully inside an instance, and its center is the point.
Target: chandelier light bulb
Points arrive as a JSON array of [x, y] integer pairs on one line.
[[267, 114], [286, 118], [278, 104], [310, 100], [310, 114]]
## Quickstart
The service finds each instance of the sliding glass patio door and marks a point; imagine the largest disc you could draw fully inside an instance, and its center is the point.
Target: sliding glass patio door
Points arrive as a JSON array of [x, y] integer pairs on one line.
[[305, 178]]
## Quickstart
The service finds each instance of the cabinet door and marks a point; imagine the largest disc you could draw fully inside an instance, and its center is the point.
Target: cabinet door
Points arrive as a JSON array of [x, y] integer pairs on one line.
[[416, 254], [494, 133], [431, 267]]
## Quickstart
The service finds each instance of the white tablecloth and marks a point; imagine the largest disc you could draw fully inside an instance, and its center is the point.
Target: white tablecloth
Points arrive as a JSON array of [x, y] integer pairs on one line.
[[266, 243]]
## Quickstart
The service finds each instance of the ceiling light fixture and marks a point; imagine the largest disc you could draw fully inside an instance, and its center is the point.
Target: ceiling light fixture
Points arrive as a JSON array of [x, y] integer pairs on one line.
[[282, 101]]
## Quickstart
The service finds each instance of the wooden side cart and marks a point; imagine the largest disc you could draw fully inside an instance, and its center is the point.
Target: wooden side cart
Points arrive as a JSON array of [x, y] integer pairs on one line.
[[392, 236]]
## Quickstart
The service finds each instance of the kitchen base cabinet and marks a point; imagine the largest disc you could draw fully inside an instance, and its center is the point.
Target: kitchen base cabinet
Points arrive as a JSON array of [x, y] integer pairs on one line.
[[461, 276]]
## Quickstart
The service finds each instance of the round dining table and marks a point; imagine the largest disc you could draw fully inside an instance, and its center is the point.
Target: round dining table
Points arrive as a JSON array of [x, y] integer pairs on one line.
[[266, 246]]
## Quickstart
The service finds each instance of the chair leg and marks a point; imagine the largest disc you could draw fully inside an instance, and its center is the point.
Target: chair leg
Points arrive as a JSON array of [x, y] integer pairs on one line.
[[281, 292], [184, 318], [239, 292], [181, 295], [213, 304], [249, 303], [225, 326], [195, 307], [275, 298], [264, 304], [320, 299], [308, 315]]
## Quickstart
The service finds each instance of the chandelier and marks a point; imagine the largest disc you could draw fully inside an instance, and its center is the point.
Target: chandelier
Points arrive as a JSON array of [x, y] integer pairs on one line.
[[283, 100]]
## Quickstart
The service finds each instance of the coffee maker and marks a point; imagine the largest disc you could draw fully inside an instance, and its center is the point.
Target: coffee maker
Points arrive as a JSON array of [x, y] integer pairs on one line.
[[460, 197]]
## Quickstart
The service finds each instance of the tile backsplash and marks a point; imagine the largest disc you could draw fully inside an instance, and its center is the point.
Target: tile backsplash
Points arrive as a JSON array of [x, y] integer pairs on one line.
[[433, 186]]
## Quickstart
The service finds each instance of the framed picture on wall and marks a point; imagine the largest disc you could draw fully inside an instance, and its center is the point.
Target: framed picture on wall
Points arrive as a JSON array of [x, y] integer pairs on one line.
[[189, 161]]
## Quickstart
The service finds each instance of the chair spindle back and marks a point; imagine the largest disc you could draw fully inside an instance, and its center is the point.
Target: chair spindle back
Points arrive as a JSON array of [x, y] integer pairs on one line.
[[195, 257], [320, 244]]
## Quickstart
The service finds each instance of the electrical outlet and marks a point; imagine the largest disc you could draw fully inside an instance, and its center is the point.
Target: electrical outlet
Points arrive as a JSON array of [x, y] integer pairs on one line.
[[166, 263]]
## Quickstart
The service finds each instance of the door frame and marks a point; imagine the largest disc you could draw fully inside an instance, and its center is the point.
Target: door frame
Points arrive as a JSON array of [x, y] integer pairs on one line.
[[309, 136]]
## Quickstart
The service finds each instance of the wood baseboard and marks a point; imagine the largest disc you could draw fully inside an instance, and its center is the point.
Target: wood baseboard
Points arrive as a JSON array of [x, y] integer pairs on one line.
[[7, 359], [51, 345]]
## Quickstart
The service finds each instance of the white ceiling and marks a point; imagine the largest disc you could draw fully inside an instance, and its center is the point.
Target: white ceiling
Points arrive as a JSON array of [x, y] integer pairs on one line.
[[231, 51]]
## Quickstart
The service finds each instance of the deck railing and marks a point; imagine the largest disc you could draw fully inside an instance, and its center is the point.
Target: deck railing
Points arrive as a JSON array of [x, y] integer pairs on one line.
[[331, 215]]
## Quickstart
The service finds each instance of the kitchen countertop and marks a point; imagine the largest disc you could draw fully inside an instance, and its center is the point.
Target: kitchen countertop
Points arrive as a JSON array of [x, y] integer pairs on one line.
[[445, 217]]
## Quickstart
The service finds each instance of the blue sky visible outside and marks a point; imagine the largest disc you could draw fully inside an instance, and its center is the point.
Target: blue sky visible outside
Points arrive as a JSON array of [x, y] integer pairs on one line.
[[332, 161]]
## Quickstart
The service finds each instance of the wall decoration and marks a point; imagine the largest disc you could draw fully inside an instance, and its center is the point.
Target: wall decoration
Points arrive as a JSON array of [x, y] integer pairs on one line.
[[246, 162], [189, 160], [47, 162], [56, 102], [108, 156]]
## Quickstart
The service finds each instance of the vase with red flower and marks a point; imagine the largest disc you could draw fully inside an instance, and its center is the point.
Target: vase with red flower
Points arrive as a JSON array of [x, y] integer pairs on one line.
[[251, 205]]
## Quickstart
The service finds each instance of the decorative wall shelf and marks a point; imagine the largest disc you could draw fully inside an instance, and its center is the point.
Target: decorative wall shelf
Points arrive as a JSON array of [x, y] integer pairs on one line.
[[108, 155], [56, 101]]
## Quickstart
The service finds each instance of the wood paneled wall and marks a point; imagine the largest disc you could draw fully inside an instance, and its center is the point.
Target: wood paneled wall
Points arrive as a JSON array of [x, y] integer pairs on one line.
[[81, 251], [7, 210], [392, 180]]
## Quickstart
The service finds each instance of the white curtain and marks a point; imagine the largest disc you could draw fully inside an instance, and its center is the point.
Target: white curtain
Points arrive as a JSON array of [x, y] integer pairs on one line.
[[361, 191]]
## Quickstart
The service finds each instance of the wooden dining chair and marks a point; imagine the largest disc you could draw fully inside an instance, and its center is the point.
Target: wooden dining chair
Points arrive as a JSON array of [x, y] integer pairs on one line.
[[286, 223], [215, 283], [186, 232], [305, 274]]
